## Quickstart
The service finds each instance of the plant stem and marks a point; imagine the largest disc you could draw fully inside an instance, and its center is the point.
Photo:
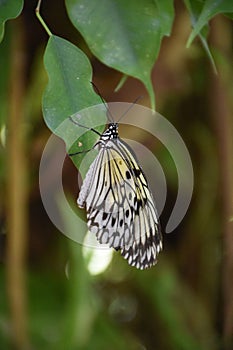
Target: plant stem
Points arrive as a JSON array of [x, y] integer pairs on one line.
[[37, 10]]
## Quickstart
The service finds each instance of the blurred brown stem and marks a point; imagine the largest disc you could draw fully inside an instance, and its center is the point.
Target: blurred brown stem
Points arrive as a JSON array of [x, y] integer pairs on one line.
[[222, 116], [16, 192]]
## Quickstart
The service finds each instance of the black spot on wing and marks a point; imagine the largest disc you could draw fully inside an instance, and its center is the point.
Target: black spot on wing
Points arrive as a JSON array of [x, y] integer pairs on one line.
[[128, 175], [137, 172]]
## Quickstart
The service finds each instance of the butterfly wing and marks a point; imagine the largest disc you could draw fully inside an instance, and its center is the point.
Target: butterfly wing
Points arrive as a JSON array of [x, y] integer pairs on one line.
[[120, 206], [146, 232], [108, 198]]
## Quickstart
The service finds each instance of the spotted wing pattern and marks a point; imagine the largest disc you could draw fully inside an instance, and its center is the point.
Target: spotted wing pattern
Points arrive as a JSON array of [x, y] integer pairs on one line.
[[119, 204]]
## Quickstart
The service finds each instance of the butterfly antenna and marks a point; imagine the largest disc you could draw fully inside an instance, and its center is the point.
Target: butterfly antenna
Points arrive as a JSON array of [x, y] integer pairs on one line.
[[109, 114], [131, 106], [83, 126]]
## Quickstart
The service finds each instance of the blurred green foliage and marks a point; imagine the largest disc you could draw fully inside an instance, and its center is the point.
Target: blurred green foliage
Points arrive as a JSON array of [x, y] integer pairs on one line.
[[9, 9]]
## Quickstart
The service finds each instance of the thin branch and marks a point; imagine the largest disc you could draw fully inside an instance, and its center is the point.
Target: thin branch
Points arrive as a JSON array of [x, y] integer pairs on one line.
[[38, 15]]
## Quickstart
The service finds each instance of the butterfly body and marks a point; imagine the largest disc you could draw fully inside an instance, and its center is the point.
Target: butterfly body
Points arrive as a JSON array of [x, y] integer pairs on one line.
[[119, 203]]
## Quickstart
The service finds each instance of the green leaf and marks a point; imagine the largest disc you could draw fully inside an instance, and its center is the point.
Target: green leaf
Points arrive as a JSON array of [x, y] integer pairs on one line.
[[124, 35], [209, 9], [69, 91], [8, 9], [195, 7]]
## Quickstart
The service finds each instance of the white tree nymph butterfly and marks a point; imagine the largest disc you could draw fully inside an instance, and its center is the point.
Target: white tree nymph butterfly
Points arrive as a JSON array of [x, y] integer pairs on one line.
[[120, 206]]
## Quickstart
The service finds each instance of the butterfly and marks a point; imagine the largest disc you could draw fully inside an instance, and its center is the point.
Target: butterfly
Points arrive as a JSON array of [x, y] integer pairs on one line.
[[120, 206]]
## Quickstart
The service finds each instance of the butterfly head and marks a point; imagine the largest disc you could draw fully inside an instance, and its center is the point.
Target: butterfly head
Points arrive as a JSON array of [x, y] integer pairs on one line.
[[111, 132]]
